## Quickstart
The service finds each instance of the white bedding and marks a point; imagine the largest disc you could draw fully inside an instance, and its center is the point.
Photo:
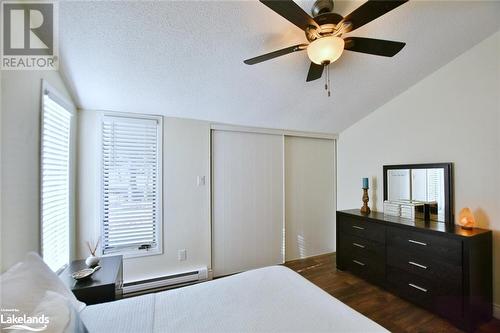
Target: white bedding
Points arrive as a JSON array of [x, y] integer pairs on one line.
[[271, 299]]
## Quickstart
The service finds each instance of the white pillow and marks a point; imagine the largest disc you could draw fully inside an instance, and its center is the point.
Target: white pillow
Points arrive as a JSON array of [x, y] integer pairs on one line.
[[56, 308], [24, 285], [62, 317]]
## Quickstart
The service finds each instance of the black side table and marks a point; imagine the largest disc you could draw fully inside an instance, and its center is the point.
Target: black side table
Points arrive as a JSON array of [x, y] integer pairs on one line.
[[104, 285]]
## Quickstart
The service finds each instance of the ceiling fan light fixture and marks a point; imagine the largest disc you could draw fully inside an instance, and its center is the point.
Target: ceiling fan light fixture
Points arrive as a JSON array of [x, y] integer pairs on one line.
[[325, 50]]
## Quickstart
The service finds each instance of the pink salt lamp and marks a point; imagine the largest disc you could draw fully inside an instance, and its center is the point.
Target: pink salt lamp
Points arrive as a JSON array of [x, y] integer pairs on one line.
[[466, 219]]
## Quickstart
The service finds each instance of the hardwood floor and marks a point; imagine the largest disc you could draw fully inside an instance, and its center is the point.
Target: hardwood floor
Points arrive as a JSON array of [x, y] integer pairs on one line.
[[386, 309]]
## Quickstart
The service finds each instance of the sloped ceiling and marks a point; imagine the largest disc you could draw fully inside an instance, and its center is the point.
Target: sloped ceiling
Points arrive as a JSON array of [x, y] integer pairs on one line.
[[185, 59]]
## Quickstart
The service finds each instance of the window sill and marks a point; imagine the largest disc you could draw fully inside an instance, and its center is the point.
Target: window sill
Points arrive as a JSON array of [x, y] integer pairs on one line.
[[135, 254]]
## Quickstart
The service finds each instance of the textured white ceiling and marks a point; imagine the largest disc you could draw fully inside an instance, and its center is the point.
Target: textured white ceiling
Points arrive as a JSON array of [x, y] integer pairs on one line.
[[185, 59]]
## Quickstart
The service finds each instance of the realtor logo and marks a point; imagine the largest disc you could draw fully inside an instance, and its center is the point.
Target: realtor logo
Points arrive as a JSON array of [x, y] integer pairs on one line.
[[29, 35], [13, 320]]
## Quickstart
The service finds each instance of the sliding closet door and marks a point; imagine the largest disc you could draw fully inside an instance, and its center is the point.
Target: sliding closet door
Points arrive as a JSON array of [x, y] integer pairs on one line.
[[309, 193], [247, 201]]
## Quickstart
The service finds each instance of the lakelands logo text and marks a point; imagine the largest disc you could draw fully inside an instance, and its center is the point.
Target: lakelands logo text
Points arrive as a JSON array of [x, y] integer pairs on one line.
[[11, 319], [29, 35]]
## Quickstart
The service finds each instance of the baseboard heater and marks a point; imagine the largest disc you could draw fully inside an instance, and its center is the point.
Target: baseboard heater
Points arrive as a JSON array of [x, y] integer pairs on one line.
[[165, 282]]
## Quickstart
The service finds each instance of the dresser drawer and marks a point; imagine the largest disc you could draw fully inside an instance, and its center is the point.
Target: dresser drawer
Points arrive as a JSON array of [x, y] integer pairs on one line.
[[425, 266], [440, 248], [361, 246], [363, 229], [367, 262], [435, 295], [367, 267]]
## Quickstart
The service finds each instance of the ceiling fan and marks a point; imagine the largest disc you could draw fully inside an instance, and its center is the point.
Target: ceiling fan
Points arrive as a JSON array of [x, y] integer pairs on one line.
[[324, 32]]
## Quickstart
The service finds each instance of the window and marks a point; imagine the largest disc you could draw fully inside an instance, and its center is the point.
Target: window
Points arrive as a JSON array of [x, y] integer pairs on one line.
[[131, 185], [56, 177]]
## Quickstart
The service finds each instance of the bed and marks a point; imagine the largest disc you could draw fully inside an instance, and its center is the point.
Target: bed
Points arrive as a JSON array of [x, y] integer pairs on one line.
[[270, 299]]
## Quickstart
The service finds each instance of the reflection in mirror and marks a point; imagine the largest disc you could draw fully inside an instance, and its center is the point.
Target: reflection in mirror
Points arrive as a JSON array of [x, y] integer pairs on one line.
[[398, 184], [416, 193], [428, 186]]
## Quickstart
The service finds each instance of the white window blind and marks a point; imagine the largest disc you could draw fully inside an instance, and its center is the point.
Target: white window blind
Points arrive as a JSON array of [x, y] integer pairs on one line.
[[131, 185], [56, 187]]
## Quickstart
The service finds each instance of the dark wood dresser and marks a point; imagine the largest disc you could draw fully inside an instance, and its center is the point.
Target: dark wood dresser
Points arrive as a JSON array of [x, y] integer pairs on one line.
[[446, 270]]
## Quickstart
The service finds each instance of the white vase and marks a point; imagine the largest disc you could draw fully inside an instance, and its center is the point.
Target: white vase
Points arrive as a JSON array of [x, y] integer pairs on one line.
[[92, 261]]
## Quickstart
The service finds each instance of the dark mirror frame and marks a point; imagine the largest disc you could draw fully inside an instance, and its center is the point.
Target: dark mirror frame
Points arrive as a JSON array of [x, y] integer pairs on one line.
[[449, 219]]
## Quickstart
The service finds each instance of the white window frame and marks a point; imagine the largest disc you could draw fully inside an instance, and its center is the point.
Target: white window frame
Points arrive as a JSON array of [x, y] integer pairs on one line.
[[159, 223], [47, 89]]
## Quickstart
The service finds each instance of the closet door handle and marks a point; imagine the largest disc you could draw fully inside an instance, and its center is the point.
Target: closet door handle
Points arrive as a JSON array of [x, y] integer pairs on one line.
[[358, 245], [417, 264], [356, 227], [417, 287], [358, 262], [417, 242]]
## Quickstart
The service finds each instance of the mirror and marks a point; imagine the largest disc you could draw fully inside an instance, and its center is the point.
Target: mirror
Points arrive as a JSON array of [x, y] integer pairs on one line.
[[419, 191]]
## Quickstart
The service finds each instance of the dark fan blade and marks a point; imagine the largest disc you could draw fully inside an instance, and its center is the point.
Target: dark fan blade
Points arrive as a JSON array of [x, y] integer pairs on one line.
[[371, 10], [292, 12], [379, 47], [315, 72], [275, 54]]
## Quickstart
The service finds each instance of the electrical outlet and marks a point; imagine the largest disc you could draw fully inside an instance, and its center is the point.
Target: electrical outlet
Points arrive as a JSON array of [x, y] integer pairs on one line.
[[182, 255]]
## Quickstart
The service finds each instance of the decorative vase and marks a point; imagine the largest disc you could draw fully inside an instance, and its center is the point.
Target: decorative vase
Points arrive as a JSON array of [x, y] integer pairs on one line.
[[92, 261]]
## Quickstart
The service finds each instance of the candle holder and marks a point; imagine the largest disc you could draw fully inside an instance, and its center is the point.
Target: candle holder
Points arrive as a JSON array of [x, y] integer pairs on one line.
[[365, 209]]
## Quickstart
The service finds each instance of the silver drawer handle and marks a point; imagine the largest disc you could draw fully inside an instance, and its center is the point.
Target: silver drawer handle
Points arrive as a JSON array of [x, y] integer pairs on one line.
[[356, 227], [417, 264], [417, 287], [358, 245], [417, 242], [358, 262]]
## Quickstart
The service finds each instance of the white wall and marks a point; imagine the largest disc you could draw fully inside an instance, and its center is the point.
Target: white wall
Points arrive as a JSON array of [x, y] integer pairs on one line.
[[20, 151], [453, 115], [186, 221], [186, 214]]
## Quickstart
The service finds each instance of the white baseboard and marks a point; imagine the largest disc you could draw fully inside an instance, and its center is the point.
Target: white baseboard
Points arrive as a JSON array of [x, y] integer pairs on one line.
[[496, 311]]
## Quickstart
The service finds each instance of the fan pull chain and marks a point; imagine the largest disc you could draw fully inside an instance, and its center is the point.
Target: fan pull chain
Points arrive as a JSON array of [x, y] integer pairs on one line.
[[327, 79], [329, 84]]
